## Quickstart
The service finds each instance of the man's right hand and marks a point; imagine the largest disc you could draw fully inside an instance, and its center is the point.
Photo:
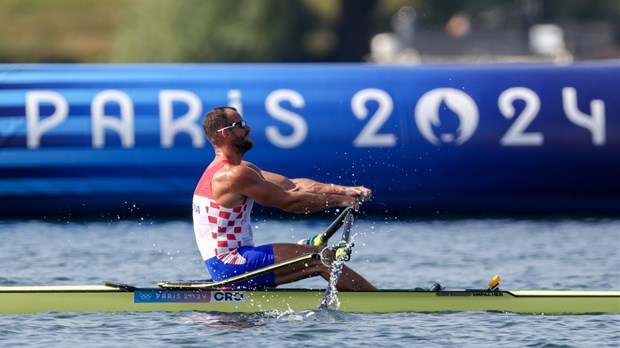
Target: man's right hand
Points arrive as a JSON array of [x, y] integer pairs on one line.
[[361, 193]]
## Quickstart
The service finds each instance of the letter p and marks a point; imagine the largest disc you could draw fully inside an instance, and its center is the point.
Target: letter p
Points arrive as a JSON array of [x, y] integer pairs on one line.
[[35, 126]]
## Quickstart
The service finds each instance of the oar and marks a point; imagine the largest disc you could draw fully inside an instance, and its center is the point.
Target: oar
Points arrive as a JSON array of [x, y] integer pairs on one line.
[[244, 276], [339, 262], [333, 228], [209, 285]]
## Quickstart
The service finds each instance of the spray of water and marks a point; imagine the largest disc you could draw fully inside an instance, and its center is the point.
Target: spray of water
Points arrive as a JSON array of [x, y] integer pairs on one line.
[[330, 300]]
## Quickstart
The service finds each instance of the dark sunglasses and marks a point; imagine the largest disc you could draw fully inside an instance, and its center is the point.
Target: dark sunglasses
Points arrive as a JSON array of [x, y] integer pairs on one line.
[[241, 124]]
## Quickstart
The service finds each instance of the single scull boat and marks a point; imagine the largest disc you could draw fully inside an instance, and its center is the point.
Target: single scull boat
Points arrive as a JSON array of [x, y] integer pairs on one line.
[[125, 298], [219, 297]]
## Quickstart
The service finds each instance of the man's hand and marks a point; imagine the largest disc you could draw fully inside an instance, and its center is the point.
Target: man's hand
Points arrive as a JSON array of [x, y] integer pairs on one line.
[[361, 193], [358, 195]]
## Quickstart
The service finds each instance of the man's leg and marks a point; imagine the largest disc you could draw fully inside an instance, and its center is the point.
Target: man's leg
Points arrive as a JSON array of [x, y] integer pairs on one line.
[[349, 279]]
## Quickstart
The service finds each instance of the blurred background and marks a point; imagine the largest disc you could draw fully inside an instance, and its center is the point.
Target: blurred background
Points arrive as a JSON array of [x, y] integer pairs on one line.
[[540, 136], [385, 31]]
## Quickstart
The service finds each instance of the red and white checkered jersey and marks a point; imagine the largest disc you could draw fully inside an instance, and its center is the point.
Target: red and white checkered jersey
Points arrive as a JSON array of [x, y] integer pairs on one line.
[[220, 231]]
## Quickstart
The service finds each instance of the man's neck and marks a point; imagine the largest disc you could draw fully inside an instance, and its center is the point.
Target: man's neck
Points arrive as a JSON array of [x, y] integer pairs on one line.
[[232, 158]]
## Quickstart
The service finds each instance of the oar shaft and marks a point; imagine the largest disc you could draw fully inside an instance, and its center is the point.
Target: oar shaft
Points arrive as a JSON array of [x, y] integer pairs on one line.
[[346, 229], [333, 228], [241, 277]]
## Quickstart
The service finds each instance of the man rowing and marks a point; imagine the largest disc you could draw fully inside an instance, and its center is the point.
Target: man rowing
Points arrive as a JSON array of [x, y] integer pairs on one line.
[[223, 202]]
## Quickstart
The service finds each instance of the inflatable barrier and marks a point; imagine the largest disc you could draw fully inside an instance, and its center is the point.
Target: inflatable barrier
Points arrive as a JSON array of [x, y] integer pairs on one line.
[[80, 140]]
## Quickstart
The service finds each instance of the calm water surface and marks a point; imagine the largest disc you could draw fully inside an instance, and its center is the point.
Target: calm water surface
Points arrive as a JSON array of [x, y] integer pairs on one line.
[[529, 254]]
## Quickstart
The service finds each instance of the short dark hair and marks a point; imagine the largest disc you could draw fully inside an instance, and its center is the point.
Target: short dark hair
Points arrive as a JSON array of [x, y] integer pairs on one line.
[[216, 119]]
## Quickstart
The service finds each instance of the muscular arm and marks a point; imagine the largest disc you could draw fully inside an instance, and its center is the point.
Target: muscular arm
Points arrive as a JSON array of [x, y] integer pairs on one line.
[[312, 186], [270, 189]]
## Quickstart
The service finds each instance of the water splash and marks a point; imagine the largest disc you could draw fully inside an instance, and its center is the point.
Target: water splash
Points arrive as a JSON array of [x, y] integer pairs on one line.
[[330, 300]]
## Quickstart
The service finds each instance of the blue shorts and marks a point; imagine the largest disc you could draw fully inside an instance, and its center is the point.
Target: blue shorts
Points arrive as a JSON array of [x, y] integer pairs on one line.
[[257, 257]]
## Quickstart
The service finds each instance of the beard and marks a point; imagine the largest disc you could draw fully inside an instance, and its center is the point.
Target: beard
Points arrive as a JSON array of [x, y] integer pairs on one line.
[[244, 144]]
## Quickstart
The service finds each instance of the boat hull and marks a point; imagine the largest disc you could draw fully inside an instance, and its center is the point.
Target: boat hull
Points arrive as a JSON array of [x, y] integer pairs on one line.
[[95, 298]]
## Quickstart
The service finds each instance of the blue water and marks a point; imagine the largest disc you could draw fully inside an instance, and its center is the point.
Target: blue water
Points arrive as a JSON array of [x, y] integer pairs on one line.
[[571, 254]]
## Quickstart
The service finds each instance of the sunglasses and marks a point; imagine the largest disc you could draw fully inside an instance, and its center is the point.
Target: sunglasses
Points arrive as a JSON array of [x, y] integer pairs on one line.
[[241, 124]]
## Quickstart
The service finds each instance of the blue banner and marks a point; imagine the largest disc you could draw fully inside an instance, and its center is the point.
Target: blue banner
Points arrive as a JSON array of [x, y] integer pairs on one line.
[[428, 139]]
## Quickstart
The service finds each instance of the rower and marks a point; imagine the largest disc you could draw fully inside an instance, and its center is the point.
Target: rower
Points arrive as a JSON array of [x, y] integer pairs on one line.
[[223, 201]]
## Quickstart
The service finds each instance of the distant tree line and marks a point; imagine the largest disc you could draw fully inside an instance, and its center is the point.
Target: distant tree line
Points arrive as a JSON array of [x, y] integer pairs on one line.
[[293, 31], [249, 30]]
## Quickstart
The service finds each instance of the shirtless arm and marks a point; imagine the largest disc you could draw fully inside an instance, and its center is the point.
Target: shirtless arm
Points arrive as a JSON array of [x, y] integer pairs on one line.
[[312, 186], [275, 190]]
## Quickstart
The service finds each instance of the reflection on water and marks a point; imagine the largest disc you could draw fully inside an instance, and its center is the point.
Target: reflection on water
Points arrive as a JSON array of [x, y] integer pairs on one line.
[[227, 320], [242, 321]]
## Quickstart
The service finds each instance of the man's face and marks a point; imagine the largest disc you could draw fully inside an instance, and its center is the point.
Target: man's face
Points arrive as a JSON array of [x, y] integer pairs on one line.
[[241, 135]]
